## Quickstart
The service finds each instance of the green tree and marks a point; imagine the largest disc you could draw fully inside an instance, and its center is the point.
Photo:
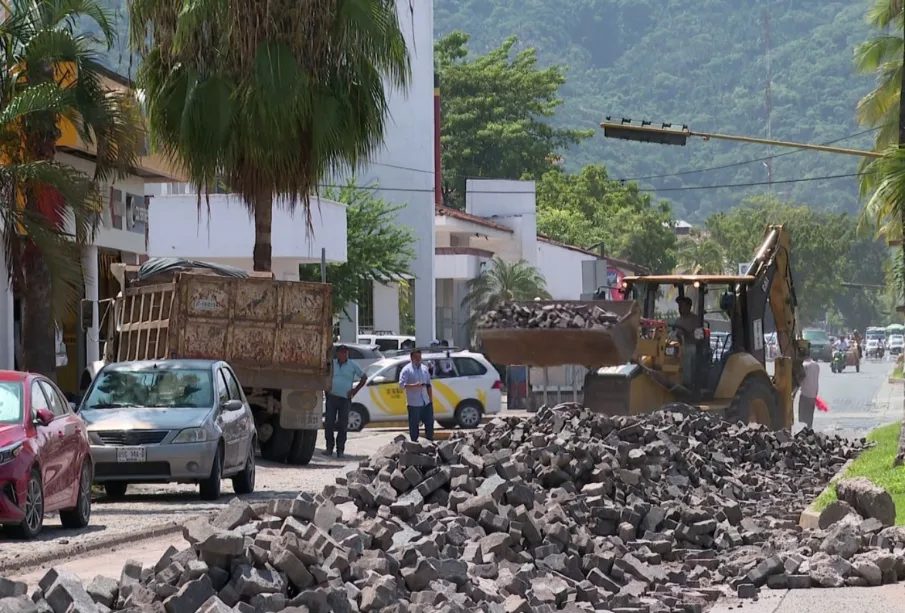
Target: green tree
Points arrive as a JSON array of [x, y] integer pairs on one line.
[[588, 208], [50, 81], [270, 105], [378, 248], [499, 282], [699, 254], [494, 111], [825, 248]]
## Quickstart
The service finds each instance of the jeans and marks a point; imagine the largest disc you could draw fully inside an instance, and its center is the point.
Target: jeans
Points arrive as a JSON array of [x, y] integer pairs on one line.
[[806, 410], [421, 415], [336, 419]]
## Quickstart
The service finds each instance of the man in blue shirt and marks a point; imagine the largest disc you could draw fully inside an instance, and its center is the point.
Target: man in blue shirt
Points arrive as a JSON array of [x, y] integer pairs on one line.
[[339, 399], [415, 379]]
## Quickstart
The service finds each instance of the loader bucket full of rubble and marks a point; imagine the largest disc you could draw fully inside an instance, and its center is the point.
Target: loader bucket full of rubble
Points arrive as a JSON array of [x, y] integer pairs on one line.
[[551, 333]]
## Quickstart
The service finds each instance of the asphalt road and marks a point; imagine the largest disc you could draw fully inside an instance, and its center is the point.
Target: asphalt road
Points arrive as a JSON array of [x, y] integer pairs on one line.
[[851, 398]]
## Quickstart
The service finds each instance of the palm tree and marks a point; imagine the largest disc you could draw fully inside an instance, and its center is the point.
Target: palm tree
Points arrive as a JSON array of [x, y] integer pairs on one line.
[[499, 282], [270, 97], [49, 80], [698, 254]]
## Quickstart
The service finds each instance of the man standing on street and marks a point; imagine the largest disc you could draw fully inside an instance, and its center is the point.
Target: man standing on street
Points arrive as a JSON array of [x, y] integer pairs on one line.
[[807, 398], [415, 379], [339, 399]]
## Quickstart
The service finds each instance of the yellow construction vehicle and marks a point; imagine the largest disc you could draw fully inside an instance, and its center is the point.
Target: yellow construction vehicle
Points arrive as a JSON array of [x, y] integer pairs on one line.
[[641, 364]]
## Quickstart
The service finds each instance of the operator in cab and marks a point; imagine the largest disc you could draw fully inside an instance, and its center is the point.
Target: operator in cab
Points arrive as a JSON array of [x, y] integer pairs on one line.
[[687, 321]]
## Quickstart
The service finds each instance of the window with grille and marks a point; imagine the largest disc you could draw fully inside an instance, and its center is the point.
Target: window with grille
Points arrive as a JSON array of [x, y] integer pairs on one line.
[[366, 305]]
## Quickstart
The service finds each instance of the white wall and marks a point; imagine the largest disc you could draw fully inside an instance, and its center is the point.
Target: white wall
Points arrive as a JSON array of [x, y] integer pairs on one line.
[[508, 203], [386, 307], [179, 229], [404, 166], [561, 269], [108, 236]]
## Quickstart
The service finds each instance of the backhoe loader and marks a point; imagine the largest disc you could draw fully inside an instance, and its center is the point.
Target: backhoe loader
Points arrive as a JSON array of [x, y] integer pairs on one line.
[[641, 364]]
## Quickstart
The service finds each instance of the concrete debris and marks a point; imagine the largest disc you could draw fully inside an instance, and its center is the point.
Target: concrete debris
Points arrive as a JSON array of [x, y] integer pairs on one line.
[[867, 499], [568, 511], [556, 315]]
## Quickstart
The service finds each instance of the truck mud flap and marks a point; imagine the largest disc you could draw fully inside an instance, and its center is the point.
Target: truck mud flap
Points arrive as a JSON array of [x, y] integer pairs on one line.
[[301, 410]]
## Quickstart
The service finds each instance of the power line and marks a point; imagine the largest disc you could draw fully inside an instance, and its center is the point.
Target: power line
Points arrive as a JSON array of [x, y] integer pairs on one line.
[[660, 176], [647, 190]]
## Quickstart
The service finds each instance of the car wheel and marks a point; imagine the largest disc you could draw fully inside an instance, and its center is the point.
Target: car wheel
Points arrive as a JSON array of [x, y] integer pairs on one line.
[[33, 523], [210, 487], [468, 414], [79, 516], [116, 489], [447, 423], [244, 482], [358, 418]]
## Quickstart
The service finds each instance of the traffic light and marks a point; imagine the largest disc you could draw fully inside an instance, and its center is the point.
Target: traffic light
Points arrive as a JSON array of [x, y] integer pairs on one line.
[[645, 132]]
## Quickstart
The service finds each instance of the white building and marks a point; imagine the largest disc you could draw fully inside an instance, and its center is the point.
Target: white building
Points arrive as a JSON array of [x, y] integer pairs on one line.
[[121, 237]]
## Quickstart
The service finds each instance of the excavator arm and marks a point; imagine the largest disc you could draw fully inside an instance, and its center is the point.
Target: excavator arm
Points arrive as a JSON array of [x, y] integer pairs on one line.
[[773, 288]]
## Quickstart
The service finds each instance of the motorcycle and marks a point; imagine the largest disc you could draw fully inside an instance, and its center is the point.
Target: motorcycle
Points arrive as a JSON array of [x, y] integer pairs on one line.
[[837, 365]]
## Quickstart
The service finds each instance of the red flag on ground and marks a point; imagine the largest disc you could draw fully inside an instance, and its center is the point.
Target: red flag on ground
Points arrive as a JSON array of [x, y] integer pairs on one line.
[[821, 405]]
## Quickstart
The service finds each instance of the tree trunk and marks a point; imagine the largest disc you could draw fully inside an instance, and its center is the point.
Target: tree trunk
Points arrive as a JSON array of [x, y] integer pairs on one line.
[[38, 329], [263, 212], [900, 454]]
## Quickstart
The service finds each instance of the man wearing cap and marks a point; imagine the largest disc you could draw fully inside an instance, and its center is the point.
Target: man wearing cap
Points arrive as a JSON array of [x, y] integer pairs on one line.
[[415, 379], [339, 400]]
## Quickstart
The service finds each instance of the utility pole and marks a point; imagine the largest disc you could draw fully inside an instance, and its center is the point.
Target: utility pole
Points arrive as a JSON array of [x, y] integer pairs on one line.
[[897, 4]]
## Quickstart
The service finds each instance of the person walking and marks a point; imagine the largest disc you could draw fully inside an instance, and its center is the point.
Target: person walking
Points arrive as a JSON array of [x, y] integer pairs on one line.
[[415, 380], [339, 400], [807, 398]]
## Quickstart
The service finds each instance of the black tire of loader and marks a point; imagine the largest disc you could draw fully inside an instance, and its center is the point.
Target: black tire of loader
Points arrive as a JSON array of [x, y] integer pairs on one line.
[[303, 444], [756, 386], [277, 447]]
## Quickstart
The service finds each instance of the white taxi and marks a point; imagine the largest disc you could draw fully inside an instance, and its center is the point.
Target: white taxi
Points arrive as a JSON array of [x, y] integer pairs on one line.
[[465, 386]]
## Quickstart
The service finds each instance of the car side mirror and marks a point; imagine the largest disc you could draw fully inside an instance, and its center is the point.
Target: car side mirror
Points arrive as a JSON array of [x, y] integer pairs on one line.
[[378, 380], [45, 416], [232, 405]]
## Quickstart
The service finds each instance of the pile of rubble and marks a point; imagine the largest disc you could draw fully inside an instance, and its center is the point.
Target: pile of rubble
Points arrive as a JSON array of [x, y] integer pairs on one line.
[[568, 511], [555, 315]]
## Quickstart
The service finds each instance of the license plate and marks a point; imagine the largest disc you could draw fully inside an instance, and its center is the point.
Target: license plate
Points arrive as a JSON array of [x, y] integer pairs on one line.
[[131, 454]]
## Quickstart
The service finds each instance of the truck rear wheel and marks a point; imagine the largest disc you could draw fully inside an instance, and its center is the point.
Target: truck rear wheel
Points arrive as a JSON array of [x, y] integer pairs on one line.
[[277, 446], [303, 444]]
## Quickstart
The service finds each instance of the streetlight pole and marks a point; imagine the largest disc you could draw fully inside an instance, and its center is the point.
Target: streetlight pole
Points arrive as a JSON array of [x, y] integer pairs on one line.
[[667, 134]]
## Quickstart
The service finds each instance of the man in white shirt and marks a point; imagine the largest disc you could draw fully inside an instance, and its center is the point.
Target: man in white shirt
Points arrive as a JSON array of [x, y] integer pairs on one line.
[[807, 398], [415, 380]]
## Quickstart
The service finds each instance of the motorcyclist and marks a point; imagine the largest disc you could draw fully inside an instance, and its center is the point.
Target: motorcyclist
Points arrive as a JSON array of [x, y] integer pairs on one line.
[[857, 344]]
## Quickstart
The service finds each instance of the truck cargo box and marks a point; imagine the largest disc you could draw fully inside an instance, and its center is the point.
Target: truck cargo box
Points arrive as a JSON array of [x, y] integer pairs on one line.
[[275, 334]]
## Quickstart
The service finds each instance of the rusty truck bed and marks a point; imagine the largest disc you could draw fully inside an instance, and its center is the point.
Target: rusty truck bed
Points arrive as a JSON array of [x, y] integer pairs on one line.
[[275, 334]]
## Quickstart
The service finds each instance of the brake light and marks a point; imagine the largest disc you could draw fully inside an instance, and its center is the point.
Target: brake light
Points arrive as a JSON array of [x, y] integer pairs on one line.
[[497, 385]]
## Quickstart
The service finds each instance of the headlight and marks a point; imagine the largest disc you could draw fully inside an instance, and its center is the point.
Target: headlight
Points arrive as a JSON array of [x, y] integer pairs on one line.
[[191, 435], [10, 453]]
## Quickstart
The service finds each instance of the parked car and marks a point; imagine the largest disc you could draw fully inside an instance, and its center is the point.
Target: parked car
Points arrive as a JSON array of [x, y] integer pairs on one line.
[[363, 355], [387, 343], [821, 345], [465, 386], [184, 421], [896, 344], [45, 462]]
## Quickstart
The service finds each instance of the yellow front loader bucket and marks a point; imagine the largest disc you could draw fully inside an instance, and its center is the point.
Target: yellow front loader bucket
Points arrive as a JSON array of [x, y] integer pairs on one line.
[[557, 346]]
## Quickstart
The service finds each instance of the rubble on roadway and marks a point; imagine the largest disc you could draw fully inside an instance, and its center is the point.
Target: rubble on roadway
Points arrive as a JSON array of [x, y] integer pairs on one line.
[[567, 511]]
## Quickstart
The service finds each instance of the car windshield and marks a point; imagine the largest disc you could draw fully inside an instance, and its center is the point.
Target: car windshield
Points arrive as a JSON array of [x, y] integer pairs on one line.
[[116, 389], [896, 339], [816, 335], [10, 402]]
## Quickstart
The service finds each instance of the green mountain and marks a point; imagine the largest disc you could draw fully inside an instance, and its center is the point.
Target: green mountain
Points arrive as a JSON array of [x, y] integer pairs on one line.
[[702, 63]]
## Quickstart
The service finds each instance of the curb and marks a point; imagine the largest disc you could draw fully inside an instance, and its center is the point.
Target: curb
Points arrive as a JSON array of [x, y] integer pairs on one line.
[[810, 516], [80, 550]]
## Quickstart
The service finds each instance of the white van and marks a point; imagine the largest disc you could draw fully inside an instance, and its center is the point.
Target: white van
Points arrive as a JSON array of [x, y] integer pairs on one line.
[[386, 343]]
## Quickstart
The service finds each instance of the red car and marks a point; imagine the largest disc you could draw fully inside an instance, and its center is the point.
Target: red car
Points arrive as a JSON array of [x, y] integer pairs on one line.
[[45, 458]]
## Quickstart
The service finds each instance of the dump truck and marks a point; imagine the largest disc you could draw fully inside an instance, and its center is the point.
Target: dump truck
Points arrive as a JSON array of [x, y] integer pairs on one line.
[[640, 363], [276, 335]]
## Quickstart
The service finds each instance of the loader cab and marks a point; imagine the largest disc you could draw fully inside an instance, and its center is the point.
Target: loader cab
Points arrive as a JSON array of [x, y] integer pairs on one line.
[[694, 361]]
